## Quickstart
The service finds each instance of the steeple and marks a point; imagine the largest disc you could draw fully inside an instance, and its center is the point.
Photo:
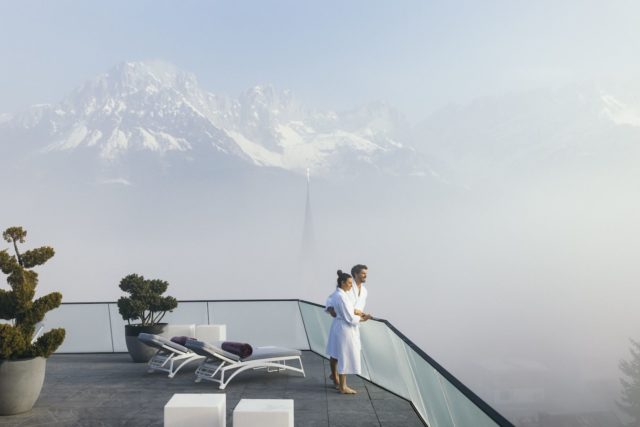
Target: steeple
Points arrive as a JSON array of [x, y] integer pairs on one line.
[[308, 239]]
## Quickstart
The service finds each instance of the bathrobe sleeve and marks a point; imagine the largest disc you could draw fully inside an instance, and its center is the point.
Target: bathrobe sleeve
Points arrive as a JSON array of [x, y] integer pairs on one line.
[[344, 309], [329, 303]]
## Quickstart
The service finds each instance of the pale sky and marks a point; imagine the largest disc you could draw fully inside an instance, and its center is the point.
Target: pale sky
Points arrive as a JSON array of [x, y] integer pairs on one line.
[[417, 55]]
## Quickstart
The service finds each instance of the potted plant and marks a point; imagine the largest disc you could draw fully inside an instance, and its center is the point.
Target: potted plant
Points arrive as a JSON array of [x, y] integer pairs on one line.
[[147, 305], [22, 357]]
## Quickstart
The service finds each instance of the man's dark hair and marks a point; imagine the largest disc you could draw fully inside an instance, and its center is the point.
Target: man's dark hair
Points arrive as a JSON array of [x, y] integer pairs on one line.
[[358, 268]]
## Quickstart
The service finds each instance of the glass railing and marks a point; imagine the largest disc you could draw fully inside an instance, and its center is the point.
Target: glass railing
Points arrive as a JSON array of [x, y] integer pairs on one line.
[[98, 327], [392, 361], [389, 359]]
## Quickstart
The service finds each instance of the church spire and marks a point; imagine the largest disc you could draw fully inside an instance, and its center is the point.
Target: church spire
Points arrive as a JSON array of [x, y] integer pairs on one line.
[[308, 239]]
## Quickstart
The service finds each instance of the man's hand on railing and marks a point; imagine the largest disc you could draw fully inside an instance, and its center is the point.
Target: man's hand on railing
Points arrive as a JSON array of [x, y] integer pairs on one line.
[[331, 311], [364, 317]]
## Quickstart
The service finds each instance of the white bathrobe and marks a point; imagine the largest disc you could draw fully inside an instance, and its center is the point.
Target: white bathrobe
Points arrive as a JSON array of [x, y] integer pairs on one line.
[[344, 339], [359, 301]]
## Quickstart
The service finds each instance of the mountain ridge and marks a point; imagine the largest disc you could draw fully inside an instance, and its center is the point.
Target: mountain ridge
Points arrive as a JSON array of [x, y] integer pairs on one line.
[[156, 115], [155, 107]]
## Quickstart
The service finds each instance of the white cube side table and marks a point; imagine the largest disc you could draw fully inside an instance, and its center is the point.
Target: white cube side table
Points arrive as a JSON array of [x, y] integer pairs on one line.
[[196, 410], [211, 333], [264, 413]]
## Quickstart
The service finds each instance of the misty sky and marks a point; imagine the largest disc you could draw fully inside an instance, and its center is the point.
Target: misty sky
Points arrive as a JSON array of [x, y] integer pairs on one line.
[[416, 55]]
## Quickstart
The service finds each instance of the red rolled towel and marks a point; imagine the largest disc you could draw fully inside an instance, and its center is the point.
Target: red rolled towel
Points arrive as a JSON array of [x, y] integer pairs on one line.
[[239, 349]]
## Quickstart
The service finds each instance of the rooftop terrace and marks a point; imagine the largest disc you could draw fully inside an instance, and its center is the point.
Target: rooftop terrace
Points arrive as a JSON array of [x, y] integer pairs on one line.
[[90, 381], [108, 389]]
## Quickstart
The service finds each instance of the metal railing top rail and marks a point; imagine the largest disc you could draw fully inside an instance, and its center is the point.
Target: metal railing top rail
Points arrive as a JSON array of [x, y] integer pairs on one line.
[[203, 300]]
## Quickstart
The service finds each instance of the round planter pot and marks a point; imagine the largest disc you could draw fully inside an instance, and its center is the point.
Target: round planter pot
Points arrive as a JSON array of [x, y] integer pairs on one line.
[[20, 384], [139, 351]]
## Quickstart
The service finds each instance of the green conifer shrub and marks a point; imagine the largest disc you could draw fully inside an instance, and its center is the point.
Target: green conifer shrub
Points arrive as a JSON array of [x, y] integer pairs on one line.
[[146, 302], [18, 306], [630, 394]]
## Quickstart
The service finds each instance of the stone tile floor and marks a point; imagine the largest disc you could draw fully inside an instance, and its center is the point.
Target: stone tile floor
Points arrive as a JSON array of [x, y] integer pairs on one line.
[[110, 390]]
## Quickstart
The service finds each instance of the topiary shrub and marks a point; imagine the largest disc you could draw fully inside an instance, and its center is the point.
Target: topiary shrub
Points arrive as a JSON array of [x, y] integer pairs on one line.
[[18, 306], [146, 302]]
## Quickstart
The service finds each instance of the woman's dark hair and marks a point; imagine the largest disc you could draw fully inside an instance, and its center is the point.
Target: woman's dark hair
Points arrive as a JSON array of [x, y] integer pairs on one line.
[[342, 277]]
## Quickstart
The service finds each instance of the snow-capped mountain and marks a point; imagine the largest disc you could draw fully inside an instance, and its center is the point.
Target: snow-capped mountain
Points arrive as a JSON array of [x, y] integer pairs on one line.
[[155, 108], [580, 129], [153, 114]]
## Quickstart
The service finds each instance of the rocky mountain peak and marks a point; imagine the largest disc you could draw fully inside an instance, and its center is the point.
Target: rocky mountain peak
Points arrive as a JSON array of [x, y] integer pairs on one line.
[[154, 107]]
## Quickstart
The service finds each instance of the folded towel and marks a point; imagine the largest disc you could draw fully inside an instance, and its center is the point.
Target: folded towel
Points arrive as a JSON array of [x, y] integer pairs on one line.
[[239, 349], [180, 340]]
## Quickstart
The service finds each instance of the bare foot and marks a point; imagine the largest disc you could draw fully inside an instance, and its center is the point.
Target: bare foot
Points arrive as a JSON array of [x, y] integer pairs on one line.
[[347, 390], [334, 379]]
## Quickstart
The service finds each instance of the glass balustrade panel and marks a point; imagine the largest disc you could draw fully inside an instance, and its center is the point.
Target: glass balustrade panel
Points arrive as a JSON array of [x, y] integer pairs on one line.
[[188, 313], [317, 324], [117, 328], [405, 371], [431, 400], [465, 413], [261, 323], [386, 359], [365, 367], [87, 327]]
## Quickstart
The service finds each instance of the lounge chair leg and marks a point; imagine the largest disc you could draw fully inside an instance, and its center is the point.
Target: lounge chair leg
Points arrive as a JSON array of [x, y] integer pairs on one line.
[[222, 384], [184, 362], [302, 367], [169, 358]]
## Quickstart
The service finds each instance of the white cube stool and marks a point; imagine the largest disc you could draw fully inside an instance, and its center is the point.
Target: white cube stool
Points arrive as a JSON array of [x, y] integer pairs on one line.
[[196, 410], [211, 333], [264, 413]]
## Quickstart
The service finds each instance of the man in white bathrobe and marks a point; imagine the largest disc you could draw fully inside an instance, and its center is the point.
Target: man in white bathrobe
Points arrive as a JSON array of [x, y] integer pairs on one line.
[[358, 296], [359, 290]]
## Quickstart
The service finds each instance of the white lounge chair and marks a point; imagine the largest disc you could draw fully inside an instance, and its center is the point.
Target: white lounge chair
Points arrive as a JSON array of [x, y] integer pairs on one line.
[[170, 356], [217, 360]]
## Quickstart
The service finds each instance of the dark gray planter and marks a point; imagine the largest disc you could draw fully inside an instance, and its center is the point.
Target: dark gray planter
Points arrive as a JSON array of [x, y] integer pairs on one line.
[[20, 384], [139, 351]]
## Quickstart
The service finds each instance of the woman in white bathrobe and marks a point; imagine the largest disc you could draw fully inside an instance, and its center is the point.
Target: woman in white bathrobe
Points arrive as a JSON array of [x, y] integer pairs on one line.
[[344, 339]]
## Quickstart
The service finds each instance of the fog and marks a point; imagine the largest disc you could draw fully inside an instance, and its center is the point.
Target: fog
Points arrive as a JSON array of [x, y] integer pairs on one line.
[[510, 257], [526, 285]]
